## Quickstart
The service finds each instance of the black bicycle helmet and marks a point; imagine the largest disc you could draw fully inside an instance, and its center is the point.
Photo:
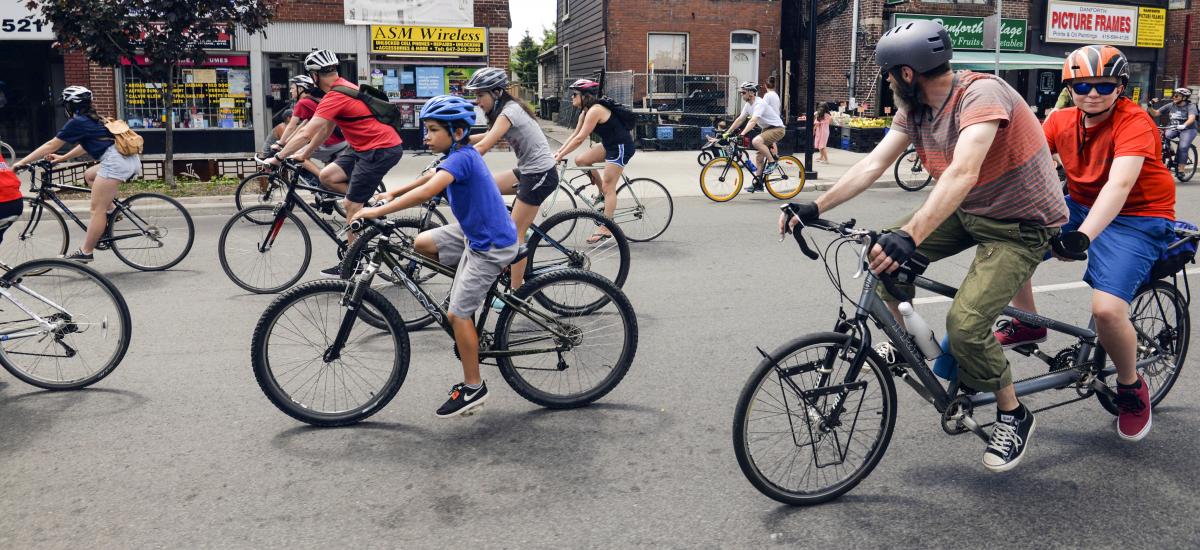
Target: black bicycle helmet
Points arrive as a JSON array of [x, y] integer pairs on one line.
[[922, 45]]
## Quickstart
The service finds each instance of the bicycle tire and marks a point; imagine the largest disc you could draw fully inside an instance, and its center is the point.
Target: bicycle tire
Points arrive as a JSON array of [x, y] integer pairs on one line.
[[259, 188], [717, 188], [1188, 170], [39, 232], [160, 223], [910, 174], [787, 168], [10, 154], [748, 402], [595, 257], [520, 378], [704, 157], [112, 319], [249, 246], [414, 315], [1159, 376], [300, 405]]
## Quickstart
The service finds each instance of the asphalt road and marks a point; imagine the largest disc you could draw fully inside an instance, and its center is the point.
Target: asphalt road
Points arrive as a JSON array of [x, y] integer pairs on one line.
[[179, 447]]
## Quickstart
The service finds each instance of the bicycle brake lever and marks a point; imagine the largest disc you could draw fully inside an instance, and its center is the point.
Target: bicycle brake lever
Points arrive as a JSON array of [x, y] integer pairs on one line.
[[862, 257]]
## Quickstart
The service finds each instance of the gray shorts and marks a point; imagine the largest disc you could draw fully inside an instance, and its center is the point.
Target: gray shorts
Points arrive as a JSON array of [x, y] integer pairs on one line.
[[477, 269], [116, 166], [327, 153]]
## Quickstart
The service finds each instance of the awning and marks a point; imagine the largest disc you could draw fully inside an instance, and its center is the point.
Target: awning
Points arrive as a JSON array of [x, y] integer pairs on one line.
[[986, 61]]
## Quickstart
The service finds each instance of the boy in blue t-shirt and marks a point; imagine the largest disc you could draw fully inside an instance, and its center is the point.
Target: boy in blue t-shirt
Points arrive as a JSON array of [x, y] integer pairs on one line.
[[482, 244]]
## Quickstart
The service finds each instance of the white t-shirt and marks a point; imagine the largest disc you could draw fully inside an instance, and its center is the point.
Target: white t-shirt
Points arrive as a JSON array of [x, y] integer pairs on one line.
[[767, 116], [773, 100]]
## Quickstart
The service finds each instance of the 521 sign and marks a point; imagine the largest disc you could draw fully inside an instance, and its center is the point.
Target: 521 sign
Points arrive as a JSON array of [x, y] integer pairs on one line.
[[21, 25], [18, 23]]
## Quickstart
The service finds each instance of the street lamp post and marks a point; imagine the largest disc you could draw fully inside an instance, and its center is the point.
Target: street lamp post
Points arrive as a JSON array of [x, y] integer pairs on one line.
[[810, 103]]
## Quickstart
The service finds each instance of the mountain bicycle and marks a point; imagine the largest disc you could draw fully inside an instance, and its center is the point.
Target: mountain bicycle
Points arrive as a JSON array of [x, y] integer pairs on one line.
[[318, 364], [817, 413], [644, 206], [1169, 147], [268, 187], [721, 178], [146, 231], [910, 174], [64, 326], [551, 245]]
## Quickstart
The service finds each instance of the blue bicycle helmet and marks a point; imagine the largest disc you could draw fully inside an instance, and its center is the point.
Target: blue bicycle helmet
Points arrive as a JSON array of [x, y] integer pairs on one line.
[[450, 109]]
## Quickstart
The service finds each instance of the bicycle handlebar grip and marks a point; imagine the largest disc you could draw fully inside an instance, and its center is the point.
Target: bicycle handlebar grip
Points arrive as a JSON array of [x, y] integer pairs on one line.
[[358, 225]]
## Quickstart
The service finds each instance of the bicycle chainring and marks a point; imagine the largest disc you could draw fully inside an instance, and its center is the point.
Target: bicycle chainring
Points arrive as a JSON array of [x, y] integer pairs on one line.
[[951, 421]]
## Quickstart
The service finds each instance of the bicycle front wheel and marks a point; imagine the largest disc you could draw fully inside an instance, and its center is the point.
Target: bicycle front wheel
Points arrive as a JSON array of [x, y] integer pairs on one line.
[[644, 209], [260, 188], [807, 429], [1188, 169], [85, 327], [299, 372], [563, 243], [721, 179], [40, 232], [566, 360], [264, 258], [787, 180], [910, 173], [152, 232], [1160, 318]]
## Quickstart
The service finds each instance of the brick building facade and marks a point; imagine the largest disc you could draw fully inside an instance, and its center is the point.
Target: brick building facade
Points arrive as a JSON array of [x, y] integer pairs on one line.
[[1183, 37]]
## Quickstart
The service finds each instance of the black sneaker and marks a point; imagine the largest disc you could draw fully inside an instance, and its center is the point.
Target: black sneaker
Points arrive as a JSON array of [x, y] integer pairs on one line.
[[334, 272], [1009, 441], [463, 401], [79, 256]]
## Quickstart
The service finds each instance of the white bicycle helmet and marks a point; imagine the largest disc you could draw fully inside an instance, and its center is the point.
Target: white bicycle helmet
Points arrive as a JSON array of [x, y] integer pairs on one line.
[[1183, 92], [488, 78], [302, 81], [749, 87], [319, 60], [76, 94]]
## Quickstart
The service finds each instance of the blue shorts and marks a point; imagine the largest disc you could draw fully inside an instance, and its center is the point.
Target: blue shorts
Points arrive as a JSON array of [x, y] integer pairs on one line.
[[619, 153], [1120, 258]]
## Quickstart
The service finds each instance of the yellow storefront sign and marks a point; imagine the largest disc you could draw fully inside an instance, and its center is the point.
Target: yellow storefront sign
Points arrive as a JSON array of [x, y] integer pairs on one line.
[[1151, 28], [414, 39]]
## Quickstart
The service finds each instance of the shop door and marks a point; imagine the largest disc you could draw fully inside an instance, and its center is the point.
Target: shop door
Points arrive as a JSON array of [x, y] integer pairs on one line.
[[743, 64], [32, 74]]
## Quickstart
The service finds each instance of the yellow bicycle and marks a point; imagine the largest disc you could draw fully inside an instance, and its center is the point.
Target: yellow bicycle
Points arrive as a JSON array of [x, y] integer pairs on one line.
[[721, 178]]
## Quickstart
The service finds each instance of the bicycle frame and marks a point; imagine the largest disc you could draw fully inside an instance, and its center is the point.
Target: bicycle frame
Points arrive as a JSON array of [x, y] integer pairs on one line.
[[290, 201], [46, 190], [564, 183], [46, 326]]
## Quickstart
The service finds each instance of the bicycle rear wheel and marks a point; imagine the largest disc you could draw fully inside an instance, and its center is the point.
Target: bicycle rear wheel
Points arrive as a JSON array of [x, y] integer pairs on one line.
[[1188, 169], [1163, 325], [787, 180], [910, 173], [152, 232], [644, 209], [260, 188], [89, 322], [415, 315], [589, 362], [561, 199], [806, 429], [292, 365], [567, 246], [39, 232], [264, 258], [721, 179]]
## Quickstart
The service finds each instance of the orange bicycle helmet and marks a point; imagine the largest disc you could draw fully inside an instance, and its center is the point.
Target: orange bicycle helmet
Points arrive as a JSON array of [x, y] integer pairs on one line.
[[1096, 61]]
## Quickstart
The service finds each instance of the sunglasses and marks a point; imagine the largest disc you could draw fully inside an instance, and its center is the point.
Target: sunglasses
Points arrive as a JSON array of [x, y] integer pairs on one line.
[[1103, 88]]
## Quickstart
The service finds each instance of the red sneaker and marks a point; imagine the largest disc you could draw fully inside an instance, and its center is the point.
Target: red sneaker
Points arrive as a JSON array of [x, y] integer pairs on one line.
[[1133, 422], [1012, 333]]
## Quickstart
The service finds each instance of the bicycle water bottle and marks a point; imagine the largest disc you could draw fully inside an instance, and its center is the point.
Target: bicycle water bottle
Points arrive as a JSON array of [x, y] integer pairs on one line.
[[922, 335], [750, 165], [946, 366]]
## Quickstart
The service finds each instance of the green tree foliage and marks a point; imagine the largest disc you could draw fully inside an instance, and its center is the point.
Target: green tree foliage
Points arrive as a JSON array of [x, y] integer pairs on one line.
[[524, 64]]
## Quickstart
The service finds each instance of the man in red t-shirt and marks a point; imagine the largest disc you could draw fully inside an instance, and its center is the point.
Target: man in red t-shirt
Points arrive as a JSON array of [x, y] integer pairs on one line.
[[11, 203], [1122, 200], [375, 147], [307, 95]]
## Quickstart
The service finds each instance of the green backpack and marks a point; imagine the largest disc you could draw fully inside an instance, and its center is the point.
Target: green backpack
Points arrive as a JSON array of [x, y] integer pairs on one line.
[[377, 102]]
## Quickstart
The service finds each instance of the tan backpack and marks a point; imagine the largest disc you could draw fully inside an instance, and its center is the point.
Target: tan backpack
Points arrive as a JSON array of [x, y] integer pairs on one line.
[[127, 141]]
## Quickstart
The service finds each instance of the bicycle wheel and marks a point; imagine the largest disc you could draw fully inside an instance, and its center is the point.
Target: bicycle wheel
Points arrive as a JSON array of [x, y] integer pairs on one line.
[[260, 188], [88, 328], [593, 358], [704, 156], [910, 173], [787, 180], [806, 429], [10, 155], [40, 232], [292, 365], [644, 209], [264, 258], [567, 246], [1188, 169], [721, 179], [152, 232], [1163, 325], [415, 315]]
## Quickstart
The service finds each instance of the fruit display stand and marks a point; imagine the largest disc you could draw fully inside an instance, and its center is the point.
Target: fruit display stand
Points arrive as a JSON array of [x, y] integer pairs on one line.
[[858, 134]]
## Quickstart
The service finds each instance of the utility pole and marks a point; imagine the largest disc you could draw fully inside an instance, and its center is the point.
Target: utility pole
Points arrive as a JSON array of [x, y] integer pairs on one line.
[[810, 103]]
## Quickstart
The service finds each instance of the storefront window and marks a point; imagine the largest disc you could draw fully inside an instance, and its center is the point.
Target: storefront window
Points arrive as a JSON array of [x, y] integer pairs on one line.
[[214, 95], [411, 85]]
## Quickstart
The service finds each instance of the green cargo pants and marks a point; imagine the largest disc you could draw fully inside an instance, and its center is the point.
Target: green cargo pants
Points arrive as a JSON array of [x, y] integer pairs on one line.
[[1008, 254]]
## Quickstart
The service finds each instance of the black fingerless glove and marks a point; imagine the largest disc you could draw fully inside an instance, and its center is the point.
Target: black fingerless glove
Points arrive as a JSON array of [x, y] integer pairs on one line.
[[806, 211], [898, 245], [1072, 245]]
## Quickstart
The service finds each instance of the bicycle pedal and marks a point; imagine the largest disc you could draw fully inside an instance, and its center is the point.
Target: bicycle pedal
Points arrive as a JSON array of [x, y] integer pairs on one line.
[[1026, 349]]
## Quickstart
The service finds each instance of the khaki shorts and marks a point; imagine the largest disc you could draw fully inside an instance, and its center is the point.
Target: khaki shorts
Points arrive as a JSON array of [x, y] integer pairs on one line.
[[771, 136], [477, 269]]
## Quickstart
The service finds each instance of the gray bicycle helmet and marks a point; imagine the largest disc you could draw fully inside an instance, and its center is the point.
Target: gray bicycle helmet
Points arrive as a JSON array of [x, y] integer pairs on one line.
[[488, 78], [921, 45]]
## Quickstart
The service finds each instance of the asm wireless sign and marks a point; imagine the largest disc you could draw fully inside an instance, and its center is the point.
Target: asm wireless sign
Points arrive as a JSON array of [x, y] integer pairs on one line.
[[1080, 23]]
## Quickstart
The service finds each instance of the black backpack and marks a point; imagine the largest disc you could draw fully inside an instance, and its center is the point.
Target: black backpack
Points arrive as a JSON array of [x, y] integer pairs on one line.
[[624, 114], [377, 102]]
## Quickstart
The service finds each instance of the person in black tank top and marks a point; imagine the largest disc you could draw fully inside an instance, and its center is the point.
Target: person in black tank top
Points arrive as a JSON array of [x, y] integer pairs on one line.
[[617, 143]]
